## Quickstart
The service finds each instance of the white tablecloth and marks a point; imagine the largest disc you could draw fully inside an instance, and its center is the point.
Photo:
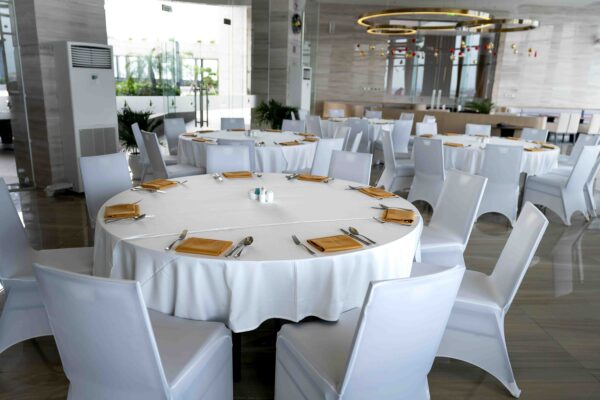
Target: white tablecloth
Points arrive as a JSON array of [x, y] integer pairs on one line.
[[470, 159], [274, 278], [270, 157]]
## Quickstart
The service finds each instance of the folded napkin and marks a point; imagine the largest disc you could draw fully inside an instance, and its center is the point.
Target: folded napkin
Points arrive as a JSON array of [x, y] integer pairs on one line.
[[311, 178], [273, 130], [450, 134], [203, 140], [311, 139], [512, 138], [335, 243], [189, 134], [237, 174], [376, 192], [534, 149], [208, 247], [206, 131], [306, 134], [540, 142], [292, 143], [405, 217], [452, 144], [237, 130], [427, 135], [159, 184], [122, 211], [549, 146]]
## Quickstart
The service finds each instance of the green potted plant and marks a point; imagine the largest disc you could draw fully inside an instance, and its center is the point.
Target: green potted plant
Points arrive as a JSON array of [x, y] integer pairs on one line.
[[273, 113], [482, 107], [127, 117]]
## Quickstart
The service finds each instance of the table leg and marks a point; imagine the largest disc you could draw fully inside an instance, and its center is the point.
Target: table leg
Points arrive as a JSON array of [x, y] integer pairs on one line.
[[237, 356]]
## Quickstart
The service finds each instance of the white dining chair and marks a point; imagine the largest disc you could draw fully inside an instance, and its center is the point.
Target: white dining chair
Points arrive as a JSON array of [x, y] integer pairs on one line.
[[593, 128], [502, 167], [232, 123], [223, 158], [354, 143], [564, 194], [444, 240], [582, 141], [159, 168], [146, 166], [429, 171], [357, 126], [561, 126], [336, 113], [23, 315], [397, 174], [384, 351], [475, 330], [355, 167], [303, 114], [407, 116], [532, 134], [401, 137], [173, 128], [103, 177], [323, 153], [573, 127], [478, 130], [374, 114], [249, 144], [314, 126], [112, 347], [293, 125], [341, 131], [427, 119], [426, 128]]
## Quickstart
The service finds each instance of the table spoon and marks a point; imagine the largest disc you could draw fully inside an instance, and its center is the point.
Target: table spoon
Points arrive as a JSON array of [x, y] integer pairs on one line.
[[354, 231], [246, 242]]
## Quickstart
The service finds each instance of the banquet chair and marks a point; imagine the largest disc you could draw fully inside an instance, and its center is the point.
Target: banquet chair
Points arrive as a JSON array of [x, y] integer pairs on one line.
[[341, 131], [302, 114], [532, 134], [501, 193], [383, 351], [429, 171], [112, 347], [475, 330], [478, 130], [427, 119], [293, 125], [582, 141], [561, 126], [355, 167], [356, 126], [313, 125], [159, 168], [400, 136], [397, 174], [336, 113], [323, 153], [561, 193], [23, 315], [407, 116], [103, 177], [222, 158], [426, 128], [444, 240], [139, 141], [375, 114], [232, 123], [250, 145], [173, 128], [573, 127], [593, 128], [354, 143]]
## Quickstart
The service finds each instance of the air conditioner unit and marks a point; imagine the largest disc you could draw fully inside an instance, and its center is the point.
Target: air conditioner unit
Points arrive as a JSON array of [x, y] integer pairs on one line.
[[86, 104]]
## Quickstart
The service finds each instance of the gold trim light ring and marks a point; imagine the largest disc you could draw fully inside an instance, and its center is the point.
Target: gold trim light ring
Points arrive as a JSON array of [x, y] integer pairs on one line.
[[394, 30], [497, 25]]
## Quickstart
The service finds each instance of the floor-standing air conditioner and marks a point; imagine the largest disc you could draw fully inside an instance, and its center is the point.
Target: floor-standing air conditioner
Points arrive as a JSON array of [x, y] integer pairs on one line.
[[86, 104]]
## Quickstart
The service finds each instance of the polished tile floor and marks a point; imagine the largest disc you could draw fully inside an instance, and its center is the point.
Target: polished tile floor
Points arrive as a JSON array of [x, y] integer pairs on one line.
[[553, 327]]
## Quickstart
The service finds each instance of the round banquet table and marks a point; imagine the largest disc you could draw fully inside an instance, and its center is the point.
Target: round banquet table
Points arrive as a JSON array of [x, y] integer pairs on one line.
[[470, 158], [270, 157], [274, 278]]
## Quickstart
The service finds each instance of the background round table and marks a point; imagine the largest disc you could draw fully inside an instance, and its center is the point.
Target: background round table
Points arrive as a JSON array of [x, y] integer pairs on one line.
[[270, 157], [274, 278]]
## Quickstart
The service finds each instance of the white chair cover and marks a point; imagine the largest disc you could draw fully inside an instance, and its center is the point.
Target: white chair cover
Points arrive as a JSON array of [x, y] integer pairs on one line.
[[582, 141], [159, 168], [426, 128], [232, 123], [222, 158], [355, 167], [111, 347], [383, 352], [341, 132], [355, 144], [303, 114], [594, 126], [323, 154], [475, 330], [293, 125], [375, 114], [250, 145], [429, 170], [173, 128], [397, 174], [313, 125], [502, 190], [146, 167], [401, 135], [477, 129], [336, 113], [103, 177], [356, 126], [573, 127], [533, 134], [428, 119], [407, 116]]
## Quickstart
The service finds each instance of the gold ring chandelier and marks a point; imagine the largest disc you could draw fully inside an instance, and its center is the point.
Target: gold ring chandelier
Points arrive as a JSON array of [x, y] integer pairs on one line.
[[499, 25]]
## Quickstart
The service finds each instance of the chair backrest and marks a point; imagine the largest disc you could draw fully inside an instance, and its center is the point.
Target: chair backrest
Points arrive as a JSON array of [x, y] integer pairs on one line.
[[302, 114], [401, 135], [249, 144], [232, 123], [313, 125], [478, 129], [14, 245], [103, 334], [139, 141], [426, 128], [458, 204], [293, 115], [373, 114], [159, 169], [534, 134], [398, 334], [356, 126], [323, 152], [583, 168], [355, 142], [518, 252], [429, 158], [509, 157], [293, 125], [594, 126], [582, 141], [355, 167], [336, 113], [221, 158], [407, 116], [389, 149], [574, 123], [173, 128], [563, 122], [341, 131], [103, 177], [427, 119]]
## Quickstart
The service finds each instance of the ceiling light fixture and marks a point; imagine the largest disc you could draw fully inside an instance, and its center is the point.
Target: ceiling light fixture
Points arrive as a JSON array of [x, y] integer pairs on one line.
[[497, 25]]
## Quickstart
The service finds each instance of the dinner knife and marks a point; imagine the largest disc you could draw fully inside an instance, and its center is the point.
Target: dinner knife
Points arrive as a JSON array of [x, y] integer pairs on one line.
[[355, 237]]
